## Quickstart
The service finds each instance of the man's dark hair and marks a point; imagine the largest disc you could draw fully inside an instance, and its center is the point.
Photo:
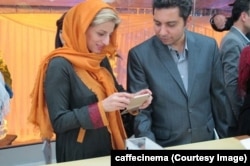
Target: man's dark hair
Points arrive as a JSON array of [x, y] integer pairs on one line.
[[239, 6], [185, 6], [228, 24], [213, 24]]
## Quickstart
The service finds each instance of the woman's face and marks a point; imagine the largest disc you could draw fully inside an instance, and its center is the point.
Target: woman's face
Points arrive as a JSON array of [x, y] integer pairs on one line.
[[98, 36], [60, 36]]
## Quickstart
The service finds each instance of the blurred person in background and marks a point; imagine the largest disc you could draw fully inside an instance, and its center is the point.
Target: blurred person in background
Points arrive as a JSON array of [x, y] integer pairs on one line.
[[6, 75], [244, 90], [230, 48]]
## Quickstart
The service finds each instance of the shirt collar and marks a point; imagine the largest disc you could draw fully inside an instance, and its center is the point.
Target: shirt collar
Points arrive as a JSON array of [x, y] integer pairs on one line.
[[243, 35], [186, 47]]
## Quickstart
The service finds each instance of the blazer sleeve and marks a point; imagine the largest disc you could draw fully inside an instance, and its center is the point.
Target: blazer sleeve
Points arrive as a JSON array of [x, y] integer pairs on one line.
[[136, 80], [230, 56], [225, 122]]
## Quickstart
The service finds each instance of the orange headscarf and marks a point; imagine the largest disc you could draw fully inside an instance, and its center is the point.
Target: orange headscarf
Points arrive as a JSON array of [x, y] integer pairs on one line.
[[86, 65]]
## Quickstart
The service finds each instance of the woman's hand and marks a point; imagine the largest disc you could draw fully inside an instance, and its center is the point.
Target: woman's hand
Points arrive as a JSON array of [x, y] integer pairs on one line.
[[117, 101], [120, 100]]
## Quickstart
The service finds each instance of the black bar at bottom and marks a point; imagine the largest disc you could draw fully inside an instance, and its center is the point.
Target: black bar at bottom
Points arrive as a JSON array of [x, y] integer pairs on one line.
[[179, 157]]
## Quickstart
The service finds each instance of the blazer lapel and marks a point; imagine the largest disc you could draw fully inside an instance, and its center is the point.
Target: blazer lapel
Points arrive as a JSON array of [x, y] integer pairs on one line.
[[193, 57], [163, 53]]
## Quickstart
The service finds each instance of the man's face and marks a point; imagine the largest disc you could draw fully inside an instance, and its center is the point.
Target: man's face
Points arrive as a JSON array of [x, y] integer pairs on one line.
[[169, 26], [246, 22]]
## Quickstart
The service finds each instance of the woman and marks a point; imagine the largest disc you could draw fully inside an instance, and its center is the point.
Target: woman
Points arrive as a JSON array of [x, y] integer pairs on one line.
[[244, 88], [81, 93]]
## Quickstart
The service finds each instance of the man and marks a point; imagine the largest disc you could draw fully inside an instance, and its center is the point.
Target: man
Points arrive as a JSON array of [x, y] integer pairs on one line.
[[184, 73], [220, 23], [231, 45]]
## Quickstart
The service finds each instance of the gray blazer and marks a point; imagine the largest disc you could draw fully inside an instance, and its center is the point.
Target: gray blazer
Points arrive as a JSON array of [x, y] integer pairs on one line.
[[230, 48], [177, 116]]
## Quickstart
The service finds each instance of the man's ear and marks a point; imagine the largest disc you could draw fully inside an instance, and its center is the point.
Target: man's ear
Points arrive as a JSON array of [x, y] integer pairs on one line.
[[244, 16]]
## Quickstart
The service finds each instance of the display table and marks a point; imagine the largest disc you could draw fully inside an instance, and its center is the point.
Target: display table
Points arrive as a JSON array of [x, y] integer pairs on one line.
[[226, 143], [232, 143], [103, 161]]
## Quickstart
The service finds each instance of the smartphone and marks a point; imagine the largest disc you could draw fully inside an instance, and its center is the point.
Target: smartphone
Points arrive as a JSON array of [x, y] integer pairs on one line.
[[136, 102]]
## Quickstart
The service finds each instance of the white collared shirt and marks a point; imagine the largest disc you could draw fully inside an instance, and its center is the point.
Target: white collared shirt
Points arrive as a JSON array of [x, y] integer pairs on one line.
[[181, 60]]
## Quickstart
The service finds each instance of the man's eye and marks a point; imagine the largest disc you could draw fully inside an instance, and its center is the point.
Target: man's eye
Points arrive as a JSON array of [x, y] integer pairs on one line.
[[171, 24]]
